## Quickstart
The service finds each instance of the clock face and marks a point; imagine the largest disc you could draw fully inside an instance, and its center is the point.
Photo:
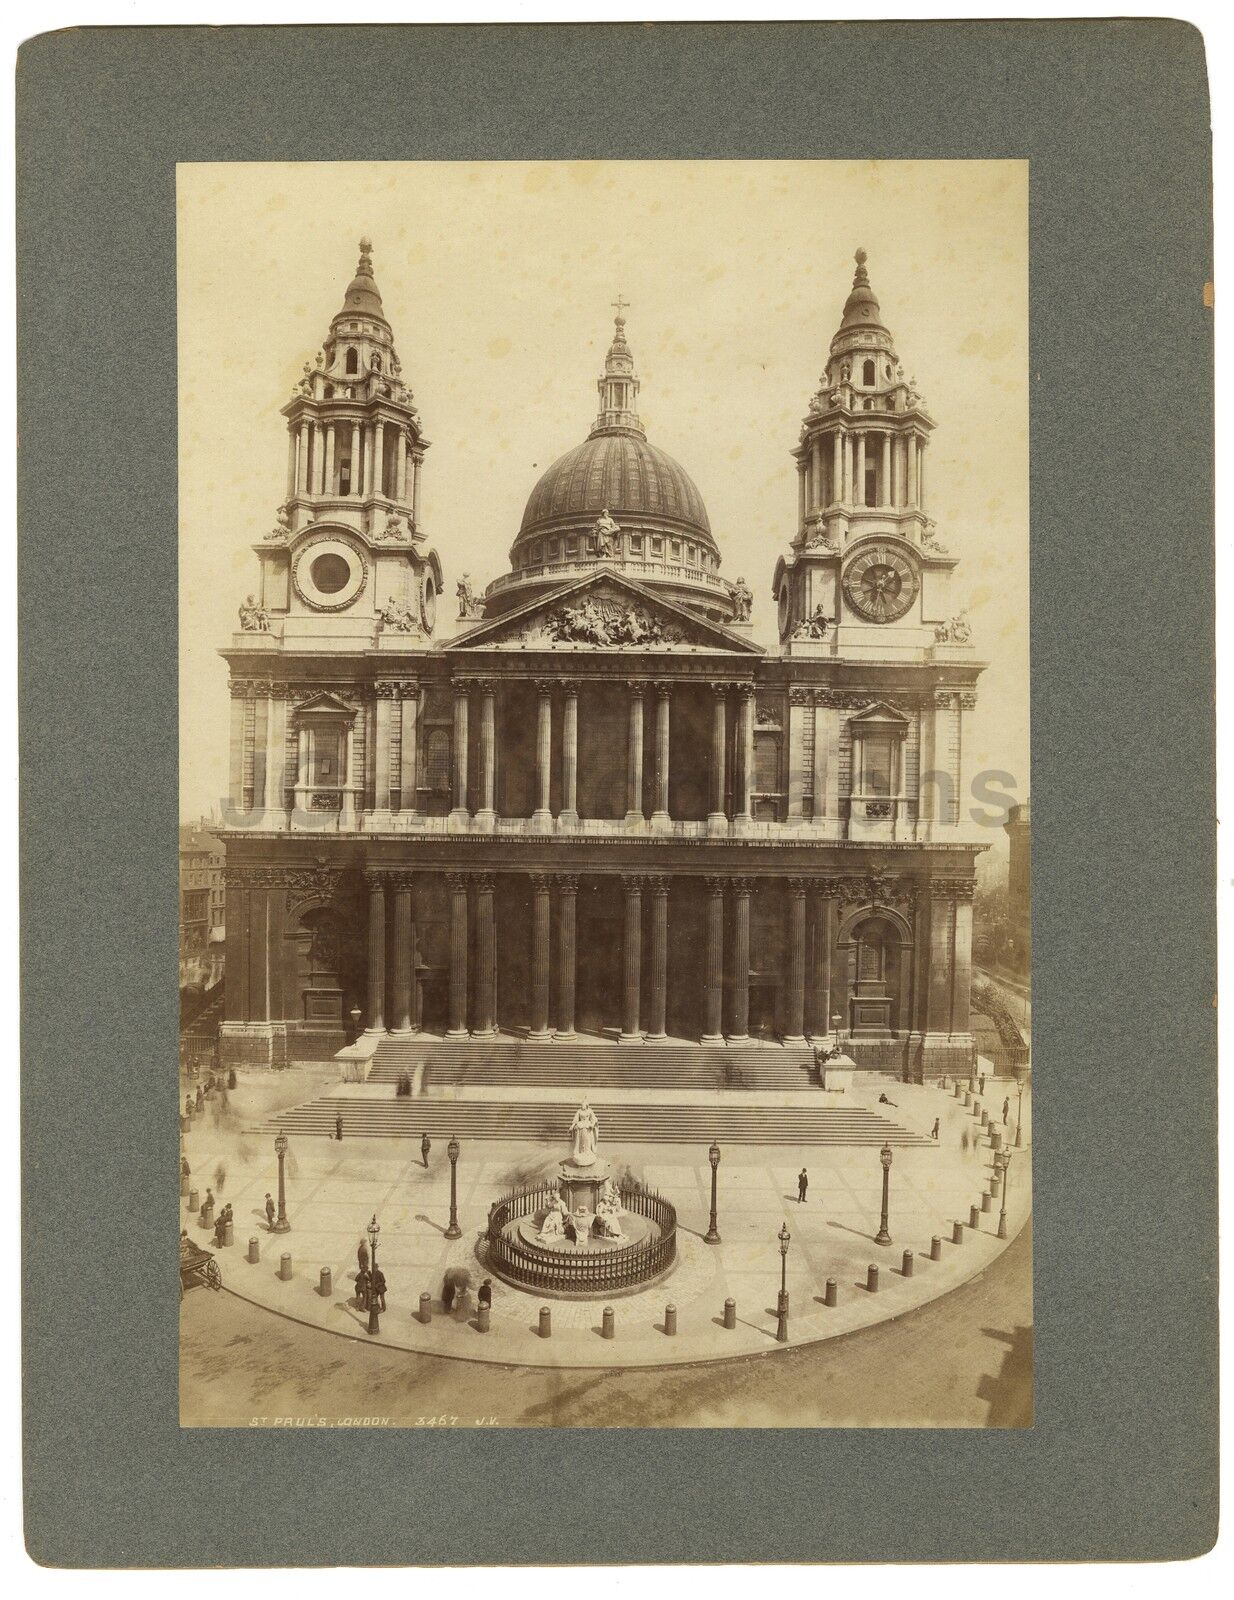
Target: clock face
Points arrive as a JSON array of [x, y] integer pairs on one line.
[[881, 583]]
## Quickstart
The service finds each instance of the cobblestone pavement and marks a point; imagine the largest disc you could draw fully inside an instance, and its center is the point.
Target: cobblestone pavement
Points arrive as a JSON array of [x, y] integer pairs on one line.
[[963, 1361], [335, 1188]]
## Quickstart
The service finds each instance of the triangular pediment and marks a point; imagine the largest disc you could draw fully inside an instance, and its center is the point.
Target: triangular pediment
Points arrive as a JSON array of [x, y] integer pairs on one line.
[[881, 711], [605, 611], [325, 704]]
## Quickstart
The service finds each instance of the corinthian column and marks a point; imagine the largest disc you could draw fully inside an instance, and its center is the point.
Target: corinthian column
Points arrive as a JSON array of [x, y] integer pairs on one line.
[[823, 907], [485, 1019], [542, 816], [407, 748], [461, 812], [713, 962], [457, 884], [567, 890], [794, 1002], [400, 955], [376, 951], [632, 961], [634, 758], [658, 962], [568, 817], [486, 815], [884, 488], [540, 926], [739, 1027], [717, 822], [664, 701], [745, 753]]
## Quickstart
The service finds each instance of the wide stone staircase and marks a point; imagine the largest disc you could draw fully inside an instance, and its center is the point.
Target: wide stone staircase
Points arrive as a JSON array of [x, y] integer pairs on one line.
[[591, 1063], [623, 1121]]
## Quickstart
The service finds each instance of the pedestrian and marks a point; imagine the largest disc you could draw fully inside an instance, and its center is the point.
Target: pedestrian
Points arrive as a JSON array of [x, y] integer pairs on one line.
[[426, 1144], [269, 1213], [934, 1131], [1006, 1109], [981, 1081], [803, 1183], [338, 1125], [201, 1098], [964, 1141], [377, 1284], [884, 1101], [185, 1169], [362, 1289], [485, 1297], [220, 1176], [447, 1294], [362, 1256]]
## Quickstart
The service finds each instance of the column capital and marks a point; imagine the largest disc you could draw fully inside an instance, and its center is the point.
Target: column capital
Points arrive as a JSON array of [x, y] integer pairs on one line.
[[797, 887], [826, 888], [375, 877], [545, 686], [541, 882], [408, 689], [401, 880], [714, 887], [658, 883], [953, 888], [745, 689], [485, 882], [663, 688], [458, 881], [636, 688], [633, 882], [799, 696], [569, 686], [722, 688], [566, 882], [741, 888], [386, 688]]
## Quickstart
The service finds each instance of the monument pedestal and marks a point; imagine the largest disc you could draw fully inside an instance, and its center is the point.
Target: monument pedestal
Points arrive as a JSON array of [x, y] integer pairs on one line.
[[838, 1073]]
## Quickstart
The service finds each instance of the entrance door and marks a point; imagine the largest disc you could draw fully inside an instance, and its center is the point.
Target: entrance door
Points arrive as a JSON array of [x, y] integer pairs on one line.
[[598, 974]]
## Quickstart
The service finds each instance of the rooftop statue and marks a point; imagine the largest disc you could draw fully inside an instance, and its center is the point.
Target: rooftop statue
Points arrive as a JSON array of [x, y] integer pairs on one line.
[[606, 531], [743, 599]]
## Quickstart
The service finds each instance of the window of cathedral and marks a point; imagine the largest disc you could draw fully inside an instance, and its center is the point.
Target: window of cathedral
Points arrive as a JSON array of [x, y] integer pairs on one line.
[[571, 546], [330, 573], [328, 391], [554, 550], [344, 476], [676, 549], [636, 543], [353, 361], [868, 374], [657, 547]]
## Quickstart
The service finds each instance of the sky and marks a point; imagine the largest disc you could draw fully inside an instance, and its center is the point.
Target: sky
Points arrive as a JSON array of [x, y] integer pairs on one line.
[[498, 279]]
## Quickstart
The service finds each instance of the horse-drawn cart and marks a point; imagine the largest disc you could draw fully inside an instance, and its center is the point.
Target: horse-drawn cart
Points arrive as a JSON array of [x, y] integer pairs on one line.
[[197, 1266]]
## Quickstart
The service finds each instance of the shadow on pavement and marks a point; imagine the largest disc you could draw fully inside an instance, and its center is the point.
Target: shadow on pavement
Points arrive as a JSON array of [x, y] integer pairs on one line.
[[1009, 1392]]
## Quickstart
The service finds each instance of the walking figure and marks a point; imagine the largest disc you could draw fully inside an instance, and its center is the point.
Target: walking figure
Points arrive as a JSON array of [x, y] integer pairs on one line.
[[964, 1141], [934, 1131], [447, 1295], [377, 1287], [1006, 1109], [220, 1176], [426, 1144], [981, 1081], [362, 1256], [362, 1289], [269, 1213], [338, 1125], [803, 1183]]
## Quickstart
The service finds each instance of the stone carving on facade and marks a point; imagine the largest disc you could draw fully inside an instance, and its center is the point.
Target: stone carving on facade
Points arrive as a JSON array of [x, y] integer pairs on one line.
[[469, 603], [608, 622], [956, 630], [814, 626], [606, 533], [254, 618], [281, 531], [398, 616], [394, 529], [767, 715], [743, 599]]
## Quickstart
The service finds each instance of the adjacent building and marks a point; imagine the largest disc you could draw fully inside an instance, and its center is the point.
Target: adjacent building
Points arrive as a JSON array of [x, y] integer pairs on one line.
[[202, 906], [594, 805]]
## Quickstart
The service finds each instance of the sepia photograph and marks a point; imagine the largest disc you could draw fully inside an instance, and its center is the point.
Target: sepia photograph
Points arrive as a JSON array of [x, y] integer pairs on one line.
[[605, 959]]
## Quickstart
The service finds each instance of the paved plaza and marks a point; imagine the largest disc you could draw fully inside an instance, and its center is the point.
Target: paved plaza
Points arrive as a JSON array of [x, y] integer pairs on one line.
[[335, 1188]]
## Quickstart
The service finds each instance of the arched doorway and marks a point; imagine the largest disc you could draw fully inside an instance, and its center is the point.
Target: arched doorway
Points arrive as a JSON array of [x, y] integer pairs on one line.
[[877, 947]]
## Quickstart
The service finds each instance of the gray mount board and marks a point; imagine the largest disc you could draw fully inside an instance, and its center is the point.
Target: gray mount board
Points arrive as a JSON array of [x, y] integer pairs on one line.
[[1113, 117]]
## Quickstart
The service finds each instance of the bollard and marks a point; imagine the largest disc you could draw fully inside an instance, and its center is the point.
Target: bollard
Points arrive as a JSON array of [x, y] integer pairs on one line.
[[831, 1295], [957, 1233], [184, 1123], [959, 1090], [986, 1202], [194, 1203], [326, 1287], [426, 1308], [968, 1099], [207, 1216], [285, 1266], [907, 1267], [670, 1320], [996, 1188], [985, 1118], [483, 1319], [546, 1323], [254, 1250], [872, 1278], [608, 1324], [974, 1216], [936, 1248], [730, 1314], [229, 1233], [996, 1138]]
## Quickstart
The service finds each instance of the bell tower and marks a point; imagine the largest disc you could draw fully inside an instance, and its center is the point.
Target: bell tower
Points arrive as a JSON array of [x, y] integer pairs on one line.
[[864, 554]]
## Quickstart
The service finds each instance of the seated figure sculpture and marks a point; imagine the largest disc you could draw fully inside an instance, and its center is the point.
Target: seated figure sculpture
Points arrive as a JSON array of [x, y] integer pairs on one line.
[[554, 1223], [608, 1212]]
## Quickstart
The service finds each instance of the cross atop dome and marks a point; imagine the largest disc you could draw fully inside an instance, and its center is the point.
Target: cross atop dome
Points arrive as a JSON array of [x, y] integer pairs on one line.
[[618, 385]]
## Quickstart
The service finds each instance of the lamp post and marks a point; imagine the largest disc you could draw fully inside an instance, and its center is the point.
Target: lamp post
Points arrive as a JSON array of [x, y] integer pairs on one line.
[[281, 1224], [355, 1015], [782, 1303], [713, 1155], [835, 1028], [373, 1229], [1019, 1112], [1004, 1164], [453, 1231], [884, 1155]]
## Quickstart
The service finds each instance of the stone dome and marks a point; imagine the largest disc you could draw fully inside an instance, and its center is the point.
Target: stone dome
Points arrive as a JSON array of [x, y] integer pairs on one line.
[[620, 472]]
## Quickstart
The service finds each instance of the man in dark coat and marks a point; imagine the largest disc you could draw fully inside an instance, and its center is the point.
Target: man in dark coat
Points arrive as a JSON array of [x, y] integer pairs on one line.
[[447, 1295], [803, 1183], [362, 1256], [378, 1287], [934, 1129], [1006, 1109], [426, 1144], [269, 1213], [338, 1125], [485, 1296], [363, 1283]]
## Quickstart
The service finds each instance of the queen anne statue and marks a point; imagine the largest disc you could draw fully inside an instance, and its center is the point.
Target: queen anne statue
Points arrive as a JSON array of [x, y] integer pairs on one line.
[[586, 1131]]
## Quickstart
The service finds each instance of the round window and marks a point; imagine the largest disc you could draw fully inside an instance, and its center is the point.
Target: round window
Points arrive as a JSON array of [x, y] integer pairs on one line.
[[330, 572]]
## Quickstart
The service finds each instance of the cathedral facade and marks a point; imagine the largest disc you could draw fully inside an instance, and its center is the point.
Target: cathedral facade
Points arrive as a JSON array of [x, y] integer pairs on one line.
[[592, 805]]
